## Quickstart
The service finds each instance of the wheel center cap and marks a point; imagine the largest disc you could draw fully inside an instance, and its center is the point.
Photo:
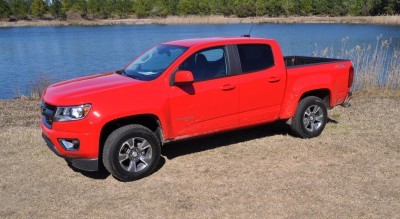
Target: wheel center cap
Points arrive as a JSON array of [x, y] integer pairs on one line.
[[134, 153], [311, 117]]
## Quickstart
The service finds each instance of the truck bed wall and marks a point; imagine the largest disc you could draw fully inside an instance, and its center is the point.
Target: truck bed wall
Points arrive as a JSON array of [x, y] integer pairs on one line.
[[296, 61], [332, 76]]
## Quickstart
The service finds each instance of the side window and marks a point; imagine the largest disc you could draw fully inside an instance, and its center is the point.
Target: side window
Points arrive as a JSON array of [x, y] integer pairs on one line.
[[206, 64], [255, 57]]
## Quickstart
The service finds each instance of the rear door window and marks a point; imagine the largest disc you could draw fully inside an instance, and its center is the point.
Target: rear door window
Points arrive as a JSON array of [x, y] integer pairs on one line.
[[255, 57]]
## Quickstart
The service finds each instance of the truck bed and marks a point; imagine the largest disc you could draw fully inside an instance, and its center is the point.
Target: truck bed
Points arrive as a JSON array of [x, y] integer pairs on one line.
[[296, 61]]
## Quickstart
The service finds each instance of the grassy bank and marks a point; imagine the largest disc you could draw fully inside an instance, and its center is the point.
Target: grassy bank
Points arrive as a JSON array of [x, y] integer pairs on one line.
[[352, 170], [392, 20]]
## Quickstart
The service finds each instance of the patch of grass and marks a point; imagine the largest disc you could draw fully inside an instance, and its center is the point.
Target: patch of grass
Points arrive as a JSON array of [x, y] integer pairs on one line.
[[335, 116]]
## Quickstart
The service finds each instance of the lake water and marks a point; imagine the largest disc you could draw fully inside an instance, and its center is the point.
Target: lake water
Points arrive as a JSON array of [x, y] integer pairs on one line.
[[68, 52]]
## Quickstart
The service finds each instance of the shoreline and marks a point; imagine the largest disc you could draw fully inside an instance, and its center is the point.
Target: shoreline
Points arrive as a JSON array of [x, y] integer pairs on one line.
[[212, 19]]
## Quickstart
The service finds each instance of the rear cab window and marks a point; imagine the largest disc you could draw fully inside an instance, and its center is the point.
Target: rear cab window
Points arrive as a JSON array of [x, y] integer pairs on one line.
[[255, 57]]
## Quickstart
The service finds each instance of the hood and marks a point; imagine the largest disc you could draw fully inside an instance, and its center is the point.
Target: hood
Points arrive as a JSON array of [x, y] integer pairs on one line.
[[84, 89]]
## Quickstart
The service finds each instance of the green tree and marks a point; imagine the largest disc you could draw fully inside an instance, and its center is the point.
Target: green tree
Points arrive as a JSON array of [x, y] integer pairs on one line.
[[275, 8], [390, 7], [143, 8], [306, 7], [160, 8], [204, 7], [5, 9], [80, 6], [245, 8], [226, 7], [56, 9], [94, 8], [186, 7], [221, 7], [172, 7], [20, 8], [321, 7], [123, 8], [67, 5], [38, 8], [261, 7]]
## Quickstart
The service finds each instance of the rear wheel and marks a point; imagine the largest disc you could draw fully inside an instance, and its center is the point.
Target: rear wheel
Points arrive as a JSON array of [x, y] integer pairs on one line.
[[131, 152], [310, 118]]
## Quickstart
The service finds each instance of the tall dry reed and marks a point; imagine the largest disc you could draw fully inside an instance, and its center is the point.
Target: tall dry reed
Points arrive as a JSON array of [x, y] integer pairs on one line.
[[376, 65], [36, 88]]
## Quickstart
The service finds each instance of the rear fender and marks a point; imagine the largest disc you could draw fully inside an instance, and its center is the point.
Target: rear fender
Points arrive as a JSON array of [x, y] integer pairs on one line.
[[297, 89]]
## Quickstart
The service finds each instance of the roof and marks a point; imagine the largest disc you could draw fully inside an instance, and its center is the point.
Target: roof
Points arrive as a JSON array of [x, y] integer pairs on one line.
[[204, 41]]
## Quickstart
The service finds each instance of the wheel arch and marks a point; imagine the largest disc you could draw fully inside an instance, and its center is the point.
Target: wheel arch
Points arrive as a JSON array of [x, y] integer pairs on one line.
[[149, 121], [324, 94], [290, 103]]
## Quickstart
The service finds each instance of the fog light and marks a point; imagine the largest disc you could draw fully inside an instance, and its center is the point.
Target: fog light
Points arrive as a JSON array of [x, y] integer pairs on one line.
[[69, 144]]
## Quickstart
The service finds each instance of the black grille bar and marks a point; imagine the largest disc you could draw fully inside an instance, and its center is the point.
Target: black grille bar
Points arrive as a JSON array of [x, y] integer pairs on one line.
[[48, 112]]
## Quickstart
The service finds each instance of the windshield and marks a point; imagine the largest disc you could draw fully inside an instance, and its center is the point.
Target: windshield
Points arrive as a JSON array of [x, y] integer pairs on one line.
[[153, 63]]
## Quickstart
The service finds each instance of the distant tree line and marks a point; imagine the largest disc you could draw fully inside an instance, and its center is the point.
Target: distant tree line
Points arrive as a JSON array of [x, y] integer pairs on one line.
[[59, 9]]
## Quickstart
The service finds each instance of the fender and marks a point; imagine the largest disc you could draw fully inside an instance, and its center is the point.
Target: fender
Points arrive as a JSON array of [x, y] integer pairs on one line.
[[299, 87]]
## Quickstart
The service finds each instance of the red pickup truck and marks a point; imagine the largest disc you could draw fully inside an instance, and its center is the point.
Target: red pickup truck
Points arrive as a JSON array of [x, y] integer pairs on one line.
[[187, 88]]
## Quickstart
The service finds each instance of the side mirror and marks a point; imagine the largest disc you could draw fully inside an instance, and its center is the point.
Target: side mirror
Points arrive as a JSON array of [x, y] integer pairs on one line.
[[183, 77]]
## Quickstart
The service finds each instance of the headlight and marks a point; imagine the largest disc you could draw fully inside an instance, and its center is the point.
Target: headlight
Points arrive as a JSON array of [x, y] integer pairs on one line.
[[70, 113]]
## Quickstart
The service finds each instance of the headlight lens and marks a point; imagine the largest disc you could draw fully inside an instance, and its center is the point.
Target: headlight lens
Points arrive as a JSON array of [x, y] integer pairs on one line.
[[70, 113]]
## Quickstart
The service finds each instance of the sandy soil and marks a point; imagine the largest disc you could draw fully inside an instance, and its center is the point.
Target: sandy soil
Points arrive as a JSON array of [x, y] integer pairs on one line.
[[351, 170], [394, 20]]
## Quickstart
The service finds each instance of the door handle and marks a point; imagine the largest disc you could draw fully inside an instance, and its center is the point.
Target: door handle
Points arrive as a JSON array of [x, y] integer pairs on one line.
[[228, 87], [274, 79]]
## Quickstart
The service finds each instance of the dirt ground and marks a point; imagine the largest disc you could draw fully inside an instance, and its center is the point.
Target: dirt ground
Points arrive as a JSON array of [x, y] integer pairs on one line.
[[351, 170]]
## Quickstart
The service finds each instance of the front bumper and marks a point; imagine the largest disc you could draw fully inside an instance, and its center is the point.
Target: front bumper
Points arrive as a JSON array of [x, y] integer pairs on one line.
[[85, 158], [87, 164]]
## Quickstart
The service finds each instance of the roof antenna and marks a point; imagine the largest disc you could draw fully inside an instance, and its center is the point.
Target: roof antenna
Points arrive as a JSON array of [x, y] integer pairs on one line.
[[248, 35]]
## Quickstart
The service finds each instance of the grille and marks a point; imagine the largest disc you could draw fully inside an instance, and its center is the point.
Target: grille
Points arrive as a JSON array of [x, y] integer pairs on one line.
[[48, 112]]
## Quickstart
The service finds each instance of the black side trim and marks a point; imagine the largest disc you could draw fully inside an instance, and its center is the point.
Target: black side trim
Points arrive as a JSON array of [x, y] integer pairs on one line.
[[85, 164]]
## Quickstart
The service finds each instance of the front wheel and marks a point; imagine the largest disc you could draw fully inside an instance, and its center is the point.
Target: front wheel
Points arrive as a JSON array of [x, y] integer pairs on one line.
[[131, 152], [310, 118]]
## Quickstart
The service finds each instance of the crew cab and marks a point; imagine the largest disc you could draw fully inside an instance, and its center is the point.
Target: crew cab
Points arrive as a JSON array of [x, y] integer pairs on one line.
[[187, 88]]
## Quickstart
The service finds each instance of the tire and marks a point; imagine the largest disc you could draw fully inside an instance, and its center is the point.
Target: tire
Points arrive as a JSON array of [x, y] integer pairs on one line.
[[310, 118], [131, 152]]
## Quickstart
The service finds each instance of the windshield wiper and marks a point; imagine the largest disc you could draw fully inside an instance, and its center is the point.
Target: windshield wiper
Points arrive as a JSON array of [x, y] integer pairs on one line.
[[131, 76]]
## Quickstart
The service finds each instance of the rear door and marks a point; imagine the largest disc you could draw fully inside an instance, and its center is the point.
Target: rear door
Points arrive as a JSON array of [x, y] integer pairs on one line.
[[261, 84], [211, 102]]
